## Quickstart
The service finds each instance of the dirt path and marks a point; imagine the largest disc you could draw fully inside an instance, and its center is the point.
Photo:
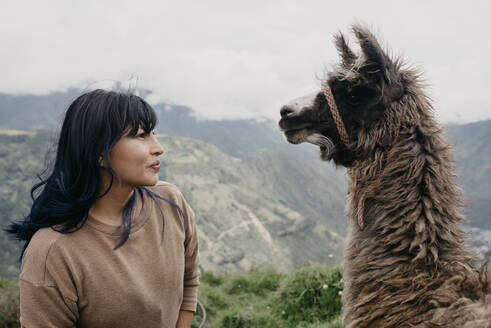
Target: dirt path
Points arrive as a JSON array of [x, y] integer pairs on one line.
[[259, 227], [263, 232], [244, 224]]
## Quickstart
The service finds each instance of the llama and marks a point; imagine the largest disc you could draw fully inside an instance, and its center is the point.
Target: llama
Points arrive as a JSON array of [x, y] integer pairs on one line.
[[405, 263]]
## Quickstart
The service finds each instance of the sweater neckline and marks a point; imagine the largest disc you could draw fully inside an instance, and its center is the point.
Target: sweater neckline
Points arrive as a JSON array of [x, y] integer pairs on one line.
[[142, 206]]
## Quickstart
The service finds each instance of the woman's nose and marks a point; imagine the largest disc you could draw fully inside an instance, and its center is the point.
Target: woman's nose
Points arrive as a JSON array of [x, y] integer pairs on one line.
[[160, 150], [157, 148]]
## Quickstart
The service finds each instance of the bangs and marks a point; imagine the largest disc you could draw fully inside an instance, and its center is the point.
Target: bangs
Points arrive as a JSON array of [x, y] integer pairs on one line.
[[139, 114]]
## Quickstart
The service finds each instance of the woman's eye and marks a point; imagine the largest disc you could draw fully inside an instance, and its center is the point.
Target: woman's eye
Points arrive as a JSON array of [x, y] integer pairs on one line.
[[141, 135]]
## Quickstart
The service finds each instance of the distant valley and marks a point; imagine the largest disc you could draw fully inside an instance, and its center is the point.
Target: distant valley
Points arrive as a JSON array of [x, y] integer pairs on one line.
[[251, 212]]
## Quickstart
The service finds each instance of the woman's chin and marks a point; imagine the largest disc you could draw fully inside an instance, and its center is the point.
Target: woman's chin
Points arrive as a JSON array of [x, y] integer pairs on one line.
[[148, 181], [153, 181]]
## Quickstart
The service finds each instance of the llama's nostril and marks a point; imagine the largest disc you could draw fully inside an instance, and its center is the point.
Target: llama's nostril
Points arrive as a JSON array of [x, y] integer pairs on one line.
[[285, 110]]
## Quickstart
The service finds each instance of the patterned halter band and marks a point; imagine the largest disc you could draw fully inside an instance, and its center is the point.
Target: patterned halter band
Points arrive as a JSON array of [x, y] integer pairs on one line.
[[335, 115]]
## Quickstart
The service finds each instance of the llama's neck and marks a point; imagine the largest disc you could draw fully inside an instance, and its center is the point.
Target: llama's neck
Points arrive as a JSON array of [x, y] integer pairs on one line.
[[404, 198], [403, 207]]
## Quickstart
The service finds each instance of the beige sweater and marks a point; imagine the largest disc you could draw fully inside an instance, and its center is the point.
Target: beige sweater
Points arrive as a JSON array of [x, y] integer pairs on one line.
[[78, 279]]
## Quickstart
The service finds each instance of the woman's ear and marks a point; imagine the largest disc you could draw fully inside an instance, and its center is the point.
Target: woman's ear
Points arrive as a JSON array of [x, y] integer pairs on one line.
[[101, 161]]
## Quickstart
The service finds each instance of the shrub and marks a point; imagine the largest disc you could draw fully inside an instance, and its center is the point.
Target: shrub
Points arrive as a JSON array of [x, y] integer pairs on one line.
[[233, 321], [336, 323], [237, 320], [257, 282], [312, 295], [211, 279], [9, 303]]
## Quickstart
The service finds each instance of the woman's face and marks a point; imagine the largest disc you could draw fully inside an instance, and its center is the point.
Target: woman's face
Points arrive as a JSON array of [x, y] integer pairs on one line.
[[136, 159]]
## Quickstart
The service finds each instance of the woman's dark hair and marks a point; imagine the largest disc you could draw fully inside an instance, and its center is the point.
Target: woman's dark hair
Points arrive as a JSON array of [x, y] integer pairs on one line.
[[93, 124]]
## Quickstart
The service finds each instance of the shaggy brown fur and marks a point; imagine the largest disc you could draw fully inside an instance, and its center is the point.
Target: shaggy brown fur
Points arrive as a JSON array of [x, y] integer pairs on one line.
[[405, 263]]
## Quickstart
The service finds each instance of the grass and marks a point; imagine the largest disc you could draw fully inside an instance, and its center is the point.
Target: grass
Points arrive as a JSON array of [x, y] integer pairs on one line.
[[310, 297], [306, 298]]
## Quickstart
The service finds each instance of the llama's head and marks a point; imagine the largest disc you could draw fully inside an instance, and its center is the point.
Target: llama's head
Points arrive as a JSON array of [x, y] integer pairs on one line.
[[353, 100]]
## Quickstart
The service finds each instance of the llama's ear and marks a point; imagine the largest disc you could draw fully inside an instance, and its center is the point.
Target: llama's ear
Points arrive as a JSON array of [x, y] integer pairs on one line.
[[370, 46], [378, 65], [347, 55]]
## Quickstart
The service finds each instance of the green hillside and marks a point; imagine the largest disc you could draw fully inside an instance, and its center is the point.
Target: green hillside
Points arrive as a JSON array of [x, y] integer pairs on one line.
[[248, 214], [271, 209]]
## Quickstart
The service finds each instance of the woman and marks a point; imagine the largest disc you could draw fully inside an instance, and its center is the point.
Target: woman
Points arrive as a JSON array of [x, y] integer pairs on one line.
[[106, 243]]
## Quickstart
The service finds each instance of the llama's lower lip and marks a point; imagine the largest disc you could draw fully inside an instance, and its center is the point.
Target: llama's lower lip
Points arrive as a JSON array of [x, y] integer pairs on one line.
[[296, 128], [291, 137], [293, 132]]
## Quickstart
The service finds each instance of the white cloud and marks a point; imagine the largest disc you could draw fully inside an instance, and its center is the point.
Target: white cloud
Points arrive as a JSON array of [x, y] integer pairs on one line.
[[239, 59]]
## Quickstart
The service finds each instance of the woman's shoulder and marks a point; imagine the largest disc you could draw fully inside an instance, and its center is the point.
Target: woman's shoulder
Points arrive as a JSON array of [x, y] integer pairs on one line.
[[42, 241], [172, 194], [43, 246], [167, 190]]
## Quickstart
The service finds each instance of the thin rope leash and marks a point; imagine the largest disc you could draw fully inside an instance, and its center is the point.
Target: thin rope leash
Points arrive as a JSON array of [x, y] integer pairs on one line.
[[335, 115], [344, 138]]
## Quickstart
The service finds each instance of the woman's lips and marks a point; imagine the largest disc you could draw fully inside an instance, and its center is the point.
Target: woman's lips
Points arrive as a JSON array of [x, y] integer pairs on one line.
[[156, 166]]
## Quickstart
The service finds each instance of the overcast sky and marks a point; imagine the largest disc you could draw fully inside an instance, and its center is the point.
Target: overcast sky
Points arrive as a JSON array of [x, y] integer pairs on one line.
[[236, 59]]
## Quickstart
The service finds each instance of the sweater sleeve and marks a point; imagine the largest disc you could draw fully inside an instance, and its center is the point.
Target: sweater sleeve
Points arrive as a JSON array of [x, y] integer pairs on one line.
[[47, 293], [45, 306], [191, 266]]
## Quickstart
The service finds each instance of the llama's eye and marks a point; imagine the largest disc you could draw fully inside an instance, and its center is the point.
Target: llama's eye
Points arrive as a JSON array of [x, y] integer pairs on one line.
[[354, 95], [353, 98]]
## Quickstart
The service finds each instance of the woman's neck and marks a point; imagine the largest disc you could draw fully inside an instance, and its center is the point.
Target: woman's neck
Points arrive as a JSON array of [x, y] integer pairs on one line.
[[110, 207]]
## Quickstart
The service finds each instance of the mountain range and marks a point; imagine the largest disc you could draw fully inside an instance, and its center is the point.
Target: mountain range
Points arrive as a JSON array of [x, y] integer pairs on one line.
[[259, 201]]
